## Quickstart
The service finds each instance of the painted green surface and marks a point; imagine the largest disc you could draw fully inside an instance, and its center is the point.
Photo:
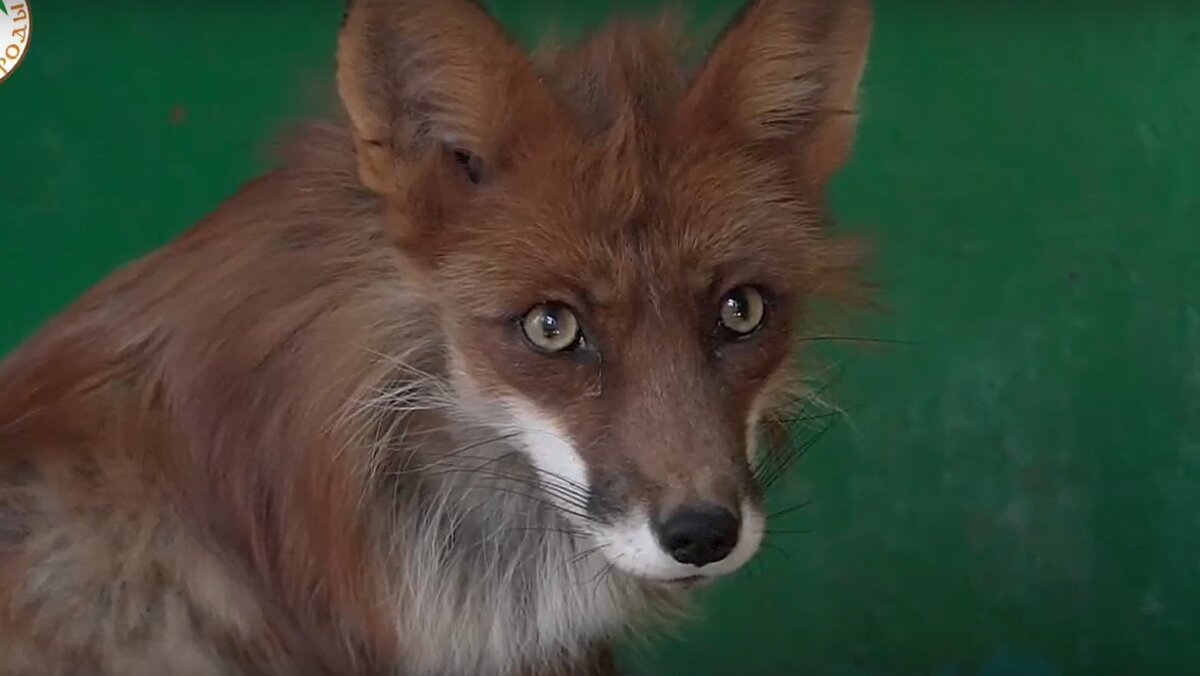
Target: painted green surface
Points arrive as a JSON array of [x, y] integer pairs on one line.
[[1018, 488]]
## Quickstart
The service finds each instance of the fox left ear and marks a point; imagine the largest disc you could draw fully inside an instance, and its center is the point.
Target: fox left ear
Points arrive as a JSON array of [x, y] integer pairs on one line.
[[788, 71]]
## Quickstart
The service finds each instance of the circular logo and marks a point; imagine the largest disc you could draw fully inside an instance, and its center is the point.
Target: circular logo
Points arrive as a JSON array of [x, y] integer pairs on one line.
[[14, 35]]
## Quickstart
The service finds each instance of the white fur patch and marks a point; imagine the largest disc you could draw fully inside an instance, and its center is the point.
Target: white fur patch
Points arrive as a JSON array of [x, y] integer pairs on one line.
[[559, 466], [632, 547]]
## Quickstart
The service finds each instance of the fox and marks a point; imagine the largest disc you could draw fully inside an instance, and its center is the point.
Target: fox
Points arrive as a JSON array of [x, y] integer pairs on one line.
[[478, 379]]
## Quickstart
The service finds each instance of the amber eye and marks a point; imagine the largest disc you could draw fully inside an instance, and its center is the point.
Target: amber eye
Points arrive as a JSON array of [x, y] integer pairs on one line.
[[552, 328], [742, 311]]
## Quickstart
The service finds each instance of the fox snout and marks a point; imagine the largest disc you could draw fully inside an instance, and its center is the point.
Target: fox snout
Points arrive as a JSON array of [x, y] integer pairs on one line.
[[673, 517], [681, 540], [695, 540]]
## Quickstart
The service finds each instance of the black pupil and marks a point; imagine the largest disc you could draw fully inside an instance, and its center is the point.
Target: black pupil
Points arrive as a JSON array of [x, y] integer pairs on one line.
[[737, 305], [549, 325]]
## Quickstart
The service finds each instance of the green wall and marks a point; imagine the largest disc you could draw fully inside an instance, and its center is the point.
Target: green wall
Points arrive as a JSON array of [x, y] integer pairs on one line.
[[1017, 488]]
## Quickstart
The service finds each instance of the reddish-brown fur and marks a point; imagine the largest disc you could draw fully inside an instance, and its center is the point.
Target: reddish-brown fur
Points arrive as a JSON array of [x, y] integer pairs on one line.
[[177, 462]]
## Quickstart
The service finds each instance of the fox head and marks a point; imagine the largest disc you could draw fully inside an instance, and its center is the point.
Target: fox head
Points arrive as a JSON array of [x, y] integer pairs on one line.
[[618, 247]]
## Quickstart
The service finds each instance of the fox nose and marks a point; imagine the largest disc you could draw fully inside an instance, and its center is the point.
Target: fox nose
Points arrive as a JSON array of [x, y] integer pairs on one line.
[[699, 534]]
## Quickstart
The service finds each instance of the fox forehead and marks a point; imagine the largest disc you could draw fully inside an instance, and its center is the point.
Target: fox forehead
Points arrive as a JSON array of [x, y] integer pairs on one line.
[[688, 225], [624, 186]]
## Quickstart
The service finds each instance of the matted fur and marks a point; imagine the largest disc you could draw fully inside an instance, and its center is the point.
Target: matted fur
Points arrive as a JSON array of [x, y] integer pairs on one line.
[[253, 452]]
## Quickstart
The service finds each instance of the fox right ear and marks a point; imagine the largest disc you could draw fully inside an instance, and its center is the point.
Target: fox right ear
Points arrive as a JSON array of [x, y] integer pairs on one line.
[[430, 84]]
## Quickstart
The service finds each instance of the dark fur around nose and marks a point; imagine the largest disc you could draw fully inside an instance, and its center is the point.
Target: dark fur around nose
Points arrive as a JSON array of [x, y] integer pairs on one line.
[[605, 499], [699, 533]]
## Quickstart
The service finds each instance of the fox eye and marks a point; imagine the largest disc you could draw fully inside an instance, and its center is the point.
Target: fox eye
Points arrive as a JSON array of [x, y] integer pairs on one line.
[[742, 311], [552, 328]]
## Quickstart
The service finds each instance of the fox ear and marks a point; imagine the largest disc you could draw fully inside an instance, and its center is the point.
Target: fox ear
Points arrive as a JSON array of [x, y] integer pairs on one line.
[[429, 85], [788, 71]]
